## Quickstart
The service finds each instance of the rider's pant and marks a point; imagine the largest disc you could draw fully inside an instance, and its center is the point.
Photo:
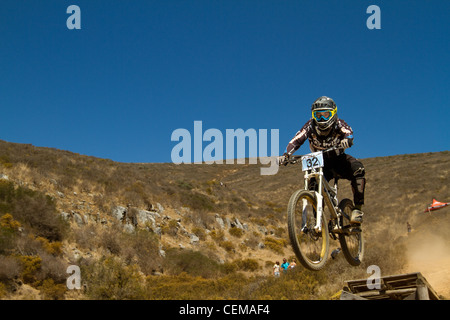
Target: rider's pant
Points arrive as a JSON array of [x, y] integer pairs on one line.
[[347, 167]]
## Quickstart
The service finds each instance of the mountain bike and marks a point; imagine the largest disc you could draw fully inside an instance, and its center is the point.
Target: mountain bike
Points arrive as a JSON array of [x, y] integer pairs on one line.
[[310, 227]]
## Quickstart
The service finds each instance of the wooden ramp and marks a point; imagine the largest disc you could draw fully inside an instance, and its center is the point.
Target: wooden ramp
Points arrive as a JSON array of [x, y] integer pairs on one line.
[[410, 286]]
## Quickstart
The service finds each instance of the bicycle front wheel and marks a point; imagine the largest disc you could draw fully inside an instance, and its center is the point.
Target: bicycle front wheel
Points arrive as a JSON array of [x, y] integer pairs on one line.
[[310, 246]]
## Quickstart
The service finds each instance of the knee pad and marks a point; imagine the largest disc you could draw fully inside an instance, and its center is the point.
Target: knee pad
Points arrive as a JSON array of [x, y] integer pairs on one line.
[[358, 169]]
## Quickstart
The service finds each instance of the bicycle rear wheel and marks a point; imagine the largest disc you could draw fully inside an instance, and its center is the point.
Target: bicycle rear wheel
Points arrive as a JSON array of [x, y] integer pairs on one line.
[[310, 247], [351, 239]]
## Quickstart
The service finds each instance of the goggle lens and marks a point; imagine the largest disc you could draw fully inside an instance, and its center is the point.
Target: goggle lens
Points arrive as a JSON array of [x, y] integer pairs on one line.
[[322, 115]]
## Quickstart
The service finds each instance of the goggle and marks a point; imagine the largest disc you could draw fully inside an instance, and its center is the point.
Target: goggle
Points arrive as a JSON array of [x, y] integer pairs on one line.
[[323, 115]]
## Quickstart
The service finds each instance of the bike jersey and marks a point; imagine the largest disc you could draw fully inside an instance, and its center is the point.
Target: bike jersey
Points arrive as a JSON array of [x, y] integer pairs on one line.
[[340, 131]]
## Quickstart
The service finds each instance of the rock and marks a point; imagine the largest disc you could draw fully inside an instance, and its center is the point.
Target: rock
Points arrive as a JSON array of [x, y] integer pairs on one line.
[[118, 212], [4, 176], [144, 217], [66, 216], [160, 207], [194, 239], [261, 245], [78, 219], [262, 229], [129, 228], [60, 194], [219, 220], [238, 224]]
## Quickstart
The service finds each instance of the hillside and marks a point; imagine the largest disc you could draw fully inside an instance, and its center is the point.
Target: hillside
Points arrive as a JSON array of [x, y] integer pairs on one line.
[[198, 231]]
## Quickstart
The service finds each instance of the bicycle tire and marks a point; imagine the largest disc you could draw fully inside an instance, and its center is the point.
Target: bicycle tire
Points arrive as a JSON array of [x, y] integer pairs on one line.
[[295, 231], [352, 255]]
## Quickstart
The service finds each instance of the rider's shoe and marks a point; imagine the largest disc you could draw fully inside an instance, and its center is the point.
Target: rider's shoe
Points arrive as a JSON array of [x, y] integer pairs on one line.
[[357, 217]]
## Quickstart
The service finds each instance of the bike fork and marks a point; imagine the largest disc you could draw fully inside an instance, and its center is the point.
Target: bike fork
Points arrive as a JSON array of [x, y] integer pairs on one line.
[[319, 213], [319, 201], [318, 227]]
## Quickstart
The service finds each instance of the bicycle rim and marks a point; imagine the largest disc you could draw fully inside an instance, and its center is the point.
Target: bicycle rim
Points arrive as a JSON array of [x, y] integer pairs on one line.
[[310, 247]]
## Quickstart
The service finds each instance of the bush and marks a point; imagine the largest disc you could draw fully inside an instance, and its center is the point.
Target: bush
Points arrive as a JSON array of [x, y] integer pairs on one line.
[[53, 248], [276, 245], [217, 236], [39, 212], [30, 267], [111, 279], [7, 222], [30, 208], [196, 201], [191, 262], [236, 232], [227, 245], [51, 290], [170, 228], [10, 268], [199, 232], [3, 290], [242, 265]]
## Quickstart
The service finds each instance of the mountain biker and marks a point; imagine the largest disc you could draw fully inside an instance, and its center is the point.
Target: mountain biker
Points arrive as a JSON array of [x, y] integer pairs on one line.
[[325, 130]]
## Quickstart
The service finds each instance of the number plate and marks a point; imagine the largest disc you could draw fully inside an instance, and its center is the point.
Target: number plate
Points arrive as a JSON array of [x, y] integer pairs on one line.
[[312, 161]]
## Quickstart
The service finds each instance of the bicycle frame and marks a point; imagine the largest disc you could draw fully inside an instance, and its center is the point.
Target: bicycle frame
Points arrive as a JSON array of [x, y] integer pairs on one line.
[[325, 192]]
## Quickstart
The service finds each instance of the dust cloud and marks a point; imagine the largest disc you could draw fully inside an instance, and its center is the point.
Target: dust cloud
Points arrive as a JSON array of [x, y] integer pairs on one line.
[[429, 254]]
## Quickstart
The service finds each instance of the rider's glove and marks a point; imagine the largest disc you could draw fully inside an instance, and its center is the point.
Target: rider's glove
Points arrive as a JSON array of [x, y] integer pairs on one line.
[[284, 159], [346, 143]]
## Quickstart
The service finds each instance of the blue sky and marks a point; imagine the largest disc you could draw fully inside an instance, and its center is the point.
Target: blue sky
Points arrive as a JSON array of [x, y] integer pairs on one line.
[[138, 70]]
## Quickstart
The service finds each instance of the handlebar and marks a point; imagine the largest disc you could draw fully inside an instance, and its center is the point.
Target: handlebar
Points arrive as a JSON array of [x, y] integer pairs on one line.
[[294, 159]]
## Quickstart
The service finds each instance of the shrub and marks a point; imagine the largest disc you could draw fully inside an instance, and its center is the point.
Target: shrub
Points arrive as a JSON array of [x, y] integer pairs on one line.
[[275, 244], [236, 232], [110, 279], [227, 245], [3, 290], [217, 236], [7, 240], [53, 248], [144, 247], [242, 265], [30, 267], [9, 268], [191, 262], [7, 222], [170, 228], [248, 264], [196, 201], [30, 208], [39, 212], [199, 232], [51, 290]]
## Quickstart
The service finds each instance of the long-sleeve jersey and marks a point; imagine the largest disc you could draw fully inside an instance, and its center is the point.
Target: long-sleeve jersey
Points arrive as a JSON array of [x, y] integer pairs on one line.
[[340, 131]]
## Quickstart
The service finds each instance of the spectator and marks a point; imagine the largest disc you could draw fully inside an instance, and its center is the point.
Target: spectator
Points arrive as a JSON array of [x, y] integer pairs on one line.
[[276, 269], [285, 265], [293, 264]]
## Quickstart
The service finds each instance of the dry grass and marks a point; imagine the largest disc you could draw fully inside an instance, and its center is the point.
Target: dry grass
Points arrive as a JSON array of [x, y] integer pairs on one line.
[[398, 190]]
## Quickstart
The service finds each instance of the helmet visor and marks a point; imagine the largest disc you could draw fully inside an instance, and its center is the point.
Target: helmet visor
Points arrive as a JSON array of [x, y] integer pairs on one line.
[[323, 115]]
